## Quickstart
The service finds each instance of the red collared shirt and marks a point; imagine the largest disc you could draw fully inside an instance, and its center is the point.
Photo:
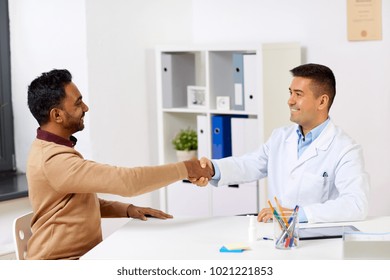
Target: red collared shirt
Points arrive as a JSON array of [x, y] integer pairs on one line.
[[50, 137]]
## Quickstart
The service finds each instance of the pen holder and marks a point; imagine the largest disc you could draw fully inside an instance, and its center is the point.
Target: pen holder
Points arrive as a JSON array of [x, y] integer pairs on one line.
[[286, 228]]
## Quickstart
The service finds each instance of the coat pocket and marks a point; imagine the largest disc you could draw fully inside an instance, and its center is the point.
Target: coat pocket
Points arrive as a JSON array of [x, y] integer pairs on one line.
[[313, 189]]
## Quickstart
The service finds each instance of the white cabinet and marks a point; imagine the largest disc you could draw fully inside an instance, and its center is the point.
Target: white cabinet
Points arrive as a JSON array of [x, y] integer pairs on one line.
[[248, 86]]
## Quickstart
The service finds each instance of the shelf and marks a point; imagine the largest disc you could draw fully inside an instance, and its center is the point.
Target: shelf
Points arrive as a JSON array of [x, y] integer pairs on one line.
[[185, 110], [205, 111], [233, 112]]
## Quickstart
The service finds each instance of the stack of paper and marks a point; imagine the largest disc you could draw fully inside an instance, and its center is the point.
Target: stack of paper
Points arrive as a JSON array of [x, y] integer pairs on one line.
[[363, 245]]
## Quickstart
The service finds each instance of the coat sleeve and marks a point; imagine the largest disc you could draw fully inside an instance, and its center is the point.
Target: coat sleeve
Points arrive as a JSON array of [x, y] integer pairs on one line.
[[243, 169]]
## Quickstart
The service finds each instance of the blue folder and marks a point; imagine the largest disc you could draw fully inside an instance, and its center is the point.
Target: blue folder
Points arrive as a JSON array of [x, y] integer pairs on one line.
[[222, 135]]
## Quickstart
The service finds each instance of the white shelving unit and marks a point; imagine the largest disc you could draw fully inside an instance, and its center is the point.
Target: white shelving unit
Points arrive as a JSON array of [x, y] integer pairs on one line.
[[259, 103]]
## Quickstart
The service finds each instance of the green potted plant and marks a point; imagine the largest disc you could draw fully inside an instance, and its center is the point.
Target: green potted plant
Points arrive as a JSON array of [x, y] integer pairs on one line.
[[186, 144]]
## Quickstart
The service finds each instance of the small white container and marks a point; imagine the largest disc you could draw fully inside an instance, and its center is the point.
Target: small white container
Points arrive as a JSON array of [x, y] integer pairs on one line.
[[252, 229]]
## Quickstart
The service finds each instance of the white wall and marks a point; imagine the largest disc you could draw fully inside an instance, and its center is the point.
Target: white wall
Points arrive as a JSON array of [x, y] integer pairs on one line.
[[107, 45], [362, 69]]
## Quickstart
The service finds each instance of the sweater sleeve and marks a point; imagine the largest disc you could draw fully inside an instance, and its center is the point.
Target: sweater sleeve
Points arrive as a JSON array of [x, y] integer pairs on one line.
[[68, 172], [113, 209]]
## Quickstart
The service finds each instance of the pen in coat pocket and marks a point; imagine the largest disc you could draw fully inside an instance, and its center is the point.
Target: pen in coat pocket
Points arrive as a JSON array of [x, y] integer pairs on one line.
[[325, 176]]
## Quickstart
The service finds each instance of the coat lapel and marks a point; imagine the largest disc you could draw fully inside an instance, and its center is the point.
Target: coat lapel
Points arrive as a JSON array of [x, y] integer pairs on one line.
[[292, 150], [321, 143]]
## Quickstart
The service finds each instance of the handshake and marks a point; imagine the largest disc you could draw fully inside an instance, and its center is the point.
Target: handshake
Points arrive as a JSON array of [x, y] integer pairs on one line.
[[199, 171]]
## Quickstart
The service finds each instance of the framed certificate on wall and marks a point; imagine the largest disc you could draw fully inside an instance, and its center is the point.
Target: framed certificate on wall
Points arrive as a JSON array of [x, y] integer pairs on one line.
[[364, 20]]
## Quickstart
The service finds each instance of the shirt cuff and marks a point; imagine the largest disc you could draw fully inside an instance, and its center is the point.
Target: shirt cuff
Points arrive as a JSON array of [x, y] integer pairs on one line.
[[217, 172], [302, 216]]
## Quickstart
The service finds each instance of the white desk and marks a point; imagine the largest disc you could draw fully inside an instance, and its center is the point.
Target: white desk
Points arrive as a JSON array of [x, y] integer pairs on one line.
[[201, 239]]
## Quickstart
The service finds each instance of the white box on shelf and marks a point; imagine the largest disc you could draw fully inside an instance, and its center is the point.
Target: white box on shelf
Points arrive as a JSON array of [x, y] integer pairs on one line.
[[223, 103], [196, 97]]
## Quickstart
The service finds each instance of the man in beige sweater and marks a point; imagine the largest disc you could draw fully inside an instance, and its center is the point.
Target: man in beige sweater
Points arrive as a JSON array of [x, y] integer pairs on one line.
[[63, 185]]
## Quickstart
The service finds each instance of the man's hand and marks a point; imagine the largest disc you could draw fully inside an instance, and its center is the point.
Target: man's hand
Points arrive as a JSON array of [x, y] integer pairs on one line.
[[143, 212], [202, 181], [198, 171]]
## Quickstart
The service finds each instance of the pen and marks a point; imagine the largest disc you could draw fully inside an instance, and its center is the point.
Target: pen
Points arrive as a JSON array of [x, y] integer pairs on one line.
[[267, 238], [325, 176]]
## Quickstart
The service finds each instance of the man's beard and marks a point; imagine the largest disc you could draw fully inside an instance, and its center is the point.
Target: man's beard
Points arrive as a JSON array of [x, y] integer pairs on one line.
[[72, 124]]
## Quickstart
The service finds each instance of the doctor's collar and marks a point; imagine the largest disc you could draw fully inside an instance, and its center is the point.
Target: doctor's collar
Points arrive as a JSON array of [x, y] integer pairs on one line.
[[315, 132]]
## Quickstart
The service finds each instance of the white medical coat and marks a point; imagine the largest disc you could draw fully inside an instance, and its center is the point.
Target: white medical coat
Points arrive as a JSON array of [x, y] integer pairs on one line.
[[328, 180]]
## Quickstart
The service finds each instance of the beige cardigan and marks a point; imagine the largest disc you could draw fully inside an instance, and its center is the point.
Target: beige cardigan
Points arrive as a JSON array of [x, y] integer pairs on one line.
[[62, 191]]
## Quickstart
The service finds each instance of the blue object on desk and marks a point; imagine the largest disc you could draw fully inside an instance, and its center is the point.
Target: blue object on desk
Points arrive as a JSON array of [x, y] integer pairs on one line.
[[226, 250]]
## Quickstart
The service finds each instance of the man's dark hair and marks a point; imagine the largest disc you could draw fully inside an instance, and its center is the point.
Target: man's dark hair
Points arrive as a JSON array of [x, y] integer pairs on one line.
[[323, 80], [47, 92]]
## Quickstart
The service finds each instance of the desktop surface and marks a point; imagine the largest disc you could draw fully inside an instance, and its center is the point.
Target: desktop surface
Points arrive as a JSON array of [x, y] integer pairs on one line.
[[200, 238]]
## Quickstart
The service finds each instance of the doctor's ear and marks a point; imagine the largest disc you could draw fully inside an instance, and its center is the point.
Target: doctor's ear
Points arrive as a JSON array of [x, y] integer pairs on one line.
[[324, 101]]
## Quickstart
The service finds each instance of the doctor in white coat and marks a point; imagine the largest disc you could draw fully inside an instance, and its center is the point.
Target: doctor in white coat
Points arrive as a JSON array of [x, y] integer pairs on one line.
[[313, 164]]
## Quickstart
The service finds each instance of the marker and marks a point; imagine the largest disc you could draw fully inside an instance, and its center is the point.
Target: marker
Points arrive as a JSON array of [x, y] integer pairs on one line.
[[281, 211], [292, 215], [267, 238], [270, 205]]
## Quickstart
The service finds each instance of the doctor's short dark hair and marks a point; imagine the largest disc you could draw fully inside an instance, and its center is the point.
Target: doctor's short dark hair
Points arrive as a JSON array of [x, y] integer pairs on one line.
[[322, 76], [47, 92]]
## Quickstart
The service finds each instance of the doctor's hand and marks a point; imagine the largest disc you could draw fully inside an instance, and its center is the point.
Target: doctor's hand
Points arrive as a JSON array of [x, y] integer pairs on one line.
[[202, 181], [143, 212], [266, 215]]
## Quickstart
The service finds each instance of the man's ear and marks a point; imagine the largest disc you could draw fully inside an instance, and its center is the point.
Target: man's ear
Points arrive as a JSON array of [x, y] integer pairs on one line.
[[55, 115], [324, 101]]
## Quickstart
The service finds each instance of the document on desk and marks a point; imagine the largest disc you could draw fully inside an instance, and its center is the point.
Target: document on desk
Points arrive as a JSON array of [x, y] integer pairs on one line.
[[325, 232]]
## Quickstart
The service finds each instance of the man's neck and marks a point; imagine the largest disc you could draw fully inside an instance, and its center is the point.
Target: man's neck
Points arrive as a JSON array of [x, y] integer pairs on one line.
[[307, 129], [56, 130]]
